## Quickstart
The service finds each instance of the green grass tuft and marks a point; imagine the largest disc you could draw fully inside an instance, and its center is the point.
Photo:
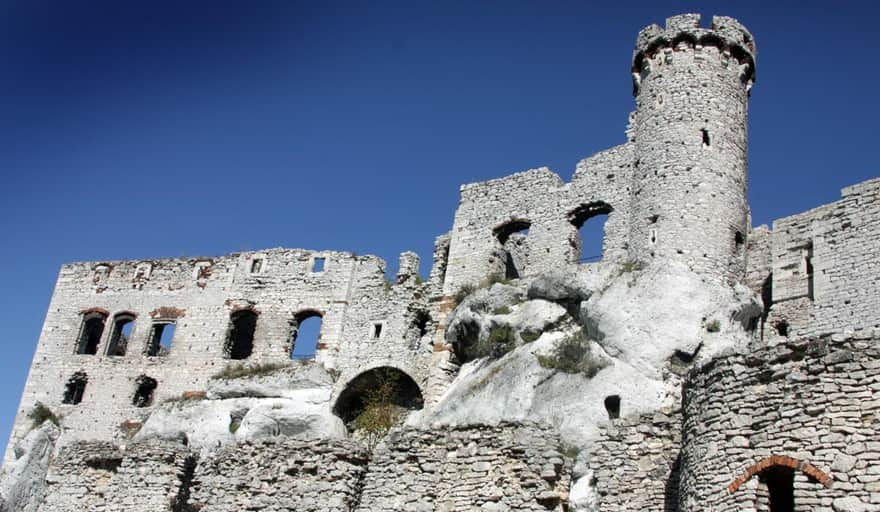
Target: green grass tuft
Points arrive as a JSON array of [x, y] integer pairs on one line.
[[572, 355], [241, 371], [41, 414]]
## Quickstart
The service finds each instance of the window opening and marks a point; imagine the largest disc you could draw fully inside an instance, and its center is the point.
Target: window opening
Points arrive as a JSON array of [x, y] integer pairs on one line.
[[305, 334], [75, 388], [377, 331], [780, 486], [318, 264], [612, 405], [706, 141], [123, 324], [143, 394], [781, 327], [90, 333], [421, 322], [514, 247], [240, 337], [590, 221], [256, 265], [808, 269], [161, 336]]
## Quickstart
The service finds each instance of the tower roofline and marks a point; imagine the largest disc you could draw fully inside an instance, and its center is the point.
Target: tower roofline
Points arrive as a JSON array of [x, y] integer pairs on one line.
[[726, 33]]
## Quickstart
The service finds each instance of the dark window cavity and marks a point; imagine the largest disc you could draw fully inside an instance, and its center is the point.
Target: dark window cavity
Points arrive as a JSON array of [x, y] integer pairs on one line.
[[808, 270], [305, 334], [75, 388], [143, 393], [256, 265], [377, 331], [781, 327], [123, 324], [780, 487], [612, 405], [590, 221], [90, 333], [514, 248], [421, 321], [318, 264], [161, 337], [706, 141], [240, 337]]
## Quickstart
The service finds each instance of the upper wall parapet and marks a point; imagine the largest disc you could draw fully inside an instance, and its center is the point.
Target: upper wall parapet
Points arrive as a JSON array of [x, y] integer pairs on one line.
[[725, 33], [540, 177]]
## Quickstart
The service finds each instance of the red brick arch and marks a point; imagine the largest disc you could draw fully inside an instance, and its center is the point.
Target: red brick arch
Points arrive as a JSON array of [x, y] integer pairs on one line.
[[785, 461]]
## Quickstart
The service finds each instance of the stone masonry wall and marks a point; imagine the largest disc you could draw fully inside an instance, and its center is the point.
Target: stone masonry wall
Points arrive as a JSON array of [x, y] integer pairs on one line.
[[281, 474], [501, 468], [810, 404], [198, 296], [841, 290], [552, 210], [635, 463]]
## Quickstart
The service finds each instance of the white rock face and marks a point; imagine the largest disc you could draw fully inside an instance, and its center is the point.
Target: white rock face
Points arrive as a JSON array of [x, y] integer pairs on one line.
[[291, 402], [582, 497], [638, 320], [23, 482]]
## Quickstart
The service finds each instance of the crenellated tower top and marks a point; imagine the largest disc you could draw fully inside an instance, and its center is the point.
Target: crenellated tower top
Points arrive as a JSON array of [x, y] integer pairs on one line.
[[727, 34]]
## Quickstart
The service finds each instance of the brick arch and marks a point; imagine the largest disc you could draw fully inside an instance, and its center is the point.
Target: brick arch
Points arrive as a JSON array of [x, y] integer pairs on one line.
[[785, 461]]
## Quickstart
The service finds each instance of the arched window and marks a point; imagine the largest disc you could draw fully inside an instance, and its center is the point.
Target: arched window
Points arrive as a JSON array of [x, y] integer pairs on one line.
[[75, 388], [776, 475], [305, 334], [90, 332], [512, 236], [589, 220], [240, 337], [143, 393], [123, 324]]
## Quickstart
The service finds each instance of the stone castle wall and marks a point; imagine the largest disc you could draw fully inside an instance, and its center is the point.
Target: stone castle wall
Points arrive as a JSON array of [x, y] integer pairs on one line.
[[811, 405], [822, 267], [635, 463], [198, 296]]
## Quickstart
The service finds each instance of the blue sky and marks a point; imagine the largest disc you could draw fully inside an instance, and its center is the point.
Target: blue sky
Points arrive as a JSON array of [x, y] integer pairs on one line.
[[151, 129]]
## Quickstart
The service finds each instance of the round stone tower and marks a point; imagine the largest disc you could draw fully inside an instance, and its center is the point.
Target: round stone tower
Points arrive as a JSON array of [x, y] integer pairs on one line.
[[689, 190]]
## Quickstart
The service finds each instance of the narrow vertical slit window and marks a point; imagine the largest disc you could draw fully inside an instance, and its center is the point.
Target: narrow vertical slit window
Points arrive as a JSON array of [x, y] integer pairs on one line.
[[808, 270], [377, 331]]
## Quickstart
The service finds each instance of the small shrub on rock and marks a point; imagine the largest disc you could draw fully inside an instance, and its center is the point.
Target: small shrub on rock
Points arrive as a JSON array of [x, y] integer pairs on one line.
[[528, 336], [463, 292], [713, 326], [572, 355], [241, 371], [41, 414], [379, 414], [501, 340]]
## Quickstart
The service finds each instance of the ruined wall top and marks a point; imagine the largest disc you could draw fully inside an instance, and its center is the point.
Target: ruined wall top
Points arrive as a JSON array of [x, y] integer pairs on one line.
[[726, 33]]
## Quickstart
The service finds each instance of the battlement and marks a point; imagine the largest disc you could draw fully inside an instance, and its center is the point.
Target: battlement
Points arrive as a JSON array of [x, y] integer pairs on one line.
[[727, 34]]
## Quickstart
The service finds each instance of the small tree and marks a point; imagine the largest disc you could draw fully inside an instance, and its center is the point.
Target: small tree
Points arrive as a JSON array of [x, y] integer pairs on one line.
[[379, 413]]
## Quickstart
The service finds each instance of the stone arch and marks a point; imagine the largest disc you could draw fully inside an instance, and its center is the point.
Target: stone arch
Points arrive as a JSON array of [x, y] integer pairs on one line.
[[91, 331], [307, 348], [578, 218], [351, 397], [513, 247], [120, 333], [781, 461]]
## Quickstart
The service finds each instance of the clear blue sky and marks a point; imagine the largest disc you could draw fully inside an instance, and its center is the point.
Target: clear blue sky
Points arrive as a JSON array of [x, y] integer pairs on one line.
[[168, 128]]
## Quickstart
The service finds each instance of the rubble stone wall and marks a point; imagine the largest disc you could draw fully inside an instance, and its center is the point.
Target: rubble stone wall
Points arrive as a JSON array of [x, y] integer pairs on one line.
[[635, 463], [500, 468], [811, 405]]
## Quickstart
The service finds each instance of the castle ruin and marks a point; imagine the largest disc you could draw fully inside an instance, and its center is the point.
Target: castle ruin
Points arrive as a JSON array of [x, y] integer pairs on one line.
[[733, 368]]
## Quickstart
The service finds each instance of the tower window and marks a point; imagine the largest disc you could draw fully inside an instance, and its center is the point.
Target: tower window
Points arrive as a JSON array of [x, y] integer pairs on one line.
[[123, 324], [318, 264], [808, 270], [75, 388], [240, 337], [377, 331], [305, 333], [706, 141], [514, 248], [90, 333], [161, 337], [257, 265]]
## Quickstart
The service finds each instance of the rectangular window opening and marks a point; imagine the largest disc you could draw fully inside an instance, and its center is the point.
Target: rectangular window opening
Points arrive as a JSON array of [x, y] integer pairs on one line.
[[161, 337], [257, 266], [377, 331], [318, 264]]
